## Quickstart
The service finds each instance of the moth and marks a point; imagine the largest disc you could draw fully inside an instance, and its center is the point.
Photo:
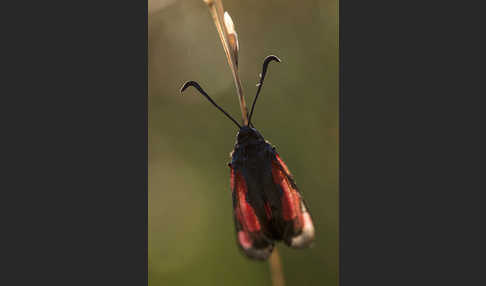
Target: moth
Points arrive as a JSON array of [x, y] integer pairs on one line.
[[267, 205]]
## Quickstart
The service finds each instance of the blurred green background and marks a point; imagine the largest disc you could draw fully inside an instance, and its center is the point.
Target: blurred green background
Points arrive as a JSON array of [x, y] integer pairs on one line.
[[191, 232]]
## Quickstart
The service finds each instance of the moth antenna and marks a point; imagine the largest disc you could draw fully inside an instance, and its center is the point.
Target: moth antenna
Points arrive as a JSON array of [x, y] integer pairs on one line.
[[267, 61], [199, 88]]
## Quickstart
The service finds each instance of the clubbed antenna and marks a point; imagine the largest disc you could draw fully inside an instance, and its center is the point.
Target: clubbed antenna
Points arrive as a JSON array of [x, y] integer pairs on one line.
[[267, 61], [199, 88]]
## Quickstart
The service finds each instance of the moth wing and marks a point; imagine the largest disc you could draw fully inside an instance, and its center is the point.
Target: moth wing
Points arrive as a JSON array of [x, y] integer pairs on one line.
[[249, 229], [298, 226]]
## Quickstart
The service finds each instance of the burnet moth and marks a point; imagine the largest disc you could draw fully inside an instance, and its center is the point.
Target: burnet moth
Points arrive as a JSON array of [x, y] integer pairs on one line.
[[267, 205]]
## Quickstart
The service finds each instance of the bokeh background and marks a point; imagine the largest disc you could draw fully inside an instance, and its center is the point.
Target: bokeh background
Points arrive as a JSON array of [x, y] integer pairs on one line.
[[191, 232]]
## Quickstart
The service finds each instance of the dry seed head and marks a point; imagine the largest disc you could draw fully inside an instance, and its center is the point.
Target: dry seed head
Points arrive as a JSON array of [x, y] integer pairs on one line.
[[232, 36], [229, 40]]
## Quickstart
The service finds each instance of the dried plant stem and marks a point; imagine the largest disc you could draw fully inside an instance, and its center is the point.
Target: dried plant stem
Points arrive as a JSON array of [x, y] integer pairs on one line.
[[276, 269], [217, 11]]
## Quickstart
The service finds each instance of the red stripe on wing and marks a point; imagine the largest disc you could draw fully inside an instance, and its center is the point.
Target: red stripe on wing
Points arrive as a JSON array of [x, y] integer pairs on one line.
[[245, 212], [249, 233], [282, 163], [268, 210], [293, 207], [290, 198], [232, 179]]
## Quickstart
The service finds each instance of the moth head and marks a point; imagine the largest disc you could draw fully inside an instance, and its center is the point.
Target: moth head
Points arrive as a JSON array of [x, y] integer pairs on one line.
[[249, 134]]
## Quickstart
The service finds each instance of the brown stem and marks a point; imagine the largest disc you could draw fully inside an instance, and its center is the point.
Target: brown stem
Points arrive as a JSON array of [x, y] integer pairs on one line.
[[276, 269], [216, 10]]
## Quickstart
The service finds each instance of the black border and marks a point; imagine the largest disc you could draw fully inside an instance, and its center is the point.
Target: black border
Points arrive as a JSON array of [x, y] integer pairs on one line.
[[76, 155], [409, 123], [75, 143]]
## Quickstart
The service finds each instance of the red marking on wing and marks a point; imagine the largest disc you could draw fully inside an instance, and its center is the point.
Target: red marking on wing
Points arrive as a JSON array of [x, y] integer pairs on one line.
[[244, 211], [249, 233], [232, 179], [291, 198], [268, 210], [294, 210], [244, 239], [282, 163]]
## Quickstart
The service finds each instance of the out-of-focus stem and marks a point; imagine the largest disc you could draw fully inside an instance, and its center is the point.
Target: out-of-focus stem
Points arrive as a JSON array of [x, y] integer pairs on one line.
[[276, 269]]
